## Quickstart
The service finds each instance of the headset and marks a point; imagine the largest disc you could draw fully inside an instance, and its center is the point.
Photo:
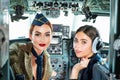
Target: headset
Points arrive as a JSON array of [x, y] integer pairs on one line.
[[97, 44]]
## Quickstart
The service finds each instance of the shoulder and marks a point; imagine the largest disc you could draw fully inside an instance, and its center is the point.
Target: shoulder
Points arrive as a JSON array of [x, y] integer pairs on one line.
[[14, 50], [19, 46], [97, 57], [100, 63], [16, 45], [100, 71], [17, 50]]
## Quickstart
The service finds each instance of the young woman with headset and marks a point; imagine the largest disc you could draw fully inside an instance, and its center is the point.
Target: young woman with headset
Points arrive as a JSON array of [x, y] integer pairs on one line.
[[86, 45]]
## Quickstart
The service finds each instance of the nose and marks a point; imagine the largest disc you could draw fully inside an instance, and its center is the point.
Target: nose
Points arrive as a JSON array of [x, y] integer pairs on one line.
[[42, 39], [77, 46]]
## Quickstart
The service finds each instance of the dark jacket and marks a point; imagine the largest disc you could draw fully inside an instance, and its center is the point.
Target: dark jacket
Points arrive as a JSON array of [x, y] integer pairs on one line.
[[20, 61]]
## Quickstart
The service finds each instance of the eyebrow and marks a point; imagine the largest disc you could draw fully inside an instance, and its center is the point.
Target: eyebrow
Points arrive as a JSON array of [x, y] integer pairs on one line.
[[40, 32], [81, 39]]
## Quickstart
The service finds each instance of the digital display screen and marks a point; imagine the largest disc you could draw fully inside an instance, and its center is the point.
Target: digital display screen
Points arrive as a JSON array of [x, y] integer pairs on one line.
[[57, 28], [55, 46]]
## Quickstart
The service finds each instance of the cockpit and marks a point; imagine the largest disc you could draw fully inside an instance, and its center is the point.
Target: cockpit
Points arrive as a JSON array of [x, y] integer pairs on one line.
[[66, 17]]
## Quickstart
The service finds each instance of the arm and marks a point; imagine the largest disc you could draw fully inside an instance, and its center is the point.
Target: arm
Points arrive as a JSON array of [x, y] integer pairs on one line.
[[75, 71], [16, 58]]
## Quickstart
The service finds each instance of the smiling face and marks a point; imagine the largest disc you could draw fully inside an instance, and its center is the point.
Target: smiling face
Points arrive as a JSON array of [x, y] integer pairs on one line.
[[82, 45], [41, 37]]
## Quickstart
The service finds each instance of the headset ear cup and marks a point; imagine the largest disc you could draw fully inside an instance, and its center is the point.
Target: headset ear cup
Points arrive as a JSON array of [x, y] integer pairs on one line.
[[97, 45], [100, 45]]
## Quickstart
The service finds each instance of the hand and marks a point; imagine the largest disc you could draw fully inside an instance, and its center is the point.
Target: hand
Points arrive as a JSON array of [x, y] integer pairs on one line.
[[83, 64], [79, 66], [54, 73]]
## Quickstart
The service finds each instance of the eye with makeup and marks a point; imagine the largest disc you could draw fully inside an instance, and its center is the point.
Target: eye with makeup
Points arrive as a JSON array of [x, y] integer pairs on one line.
[[83, 42], [47, 34], [37, 34]]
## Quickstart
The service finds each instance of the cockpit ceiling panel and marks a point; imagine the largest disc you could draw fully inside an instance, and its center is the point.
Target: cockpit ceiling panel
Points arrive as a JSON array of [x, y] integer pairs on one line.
[[96, 6]]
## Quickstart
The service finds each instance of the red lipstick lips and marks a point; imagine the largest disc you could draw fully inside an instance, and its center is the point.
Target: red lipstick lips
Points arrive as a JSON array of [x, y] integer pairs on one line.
[[42, 45]]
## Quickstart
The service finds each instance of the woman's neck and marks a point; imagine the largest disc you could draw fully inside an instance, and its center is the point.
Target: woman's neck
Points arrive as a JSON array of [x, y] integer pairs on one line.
[[90, 55], [38, 51]]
